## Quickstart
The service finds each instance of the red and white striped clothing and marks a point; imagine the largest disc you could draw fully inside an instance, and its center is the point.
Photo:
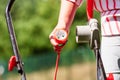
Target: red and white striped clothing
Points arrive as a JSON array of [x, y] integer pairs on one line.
[[110, 15]]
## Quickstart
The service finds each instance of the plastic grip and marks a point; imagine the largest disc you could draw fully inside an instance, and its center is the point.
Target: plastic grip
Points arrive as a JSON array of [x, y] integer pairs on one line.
[[110, 77], [12, 63], [61, 36]]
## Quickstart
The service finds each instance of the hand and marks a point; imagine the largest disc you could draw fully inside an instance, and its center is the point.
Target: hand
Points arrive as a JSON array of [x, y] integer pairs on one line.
[[58, 38]]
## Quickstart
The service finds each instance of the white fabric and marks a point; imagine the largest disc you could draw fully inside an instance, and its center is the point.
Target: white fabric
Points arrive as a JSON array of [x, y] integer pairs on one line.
[[110, 15], [110, 53], [102, 5], [110, 25], [105, 5]]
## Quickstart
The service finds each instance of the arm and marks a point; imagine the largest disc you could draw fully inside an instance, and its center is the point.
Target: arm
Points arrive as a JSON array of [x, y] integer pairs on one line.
[[67, 12]]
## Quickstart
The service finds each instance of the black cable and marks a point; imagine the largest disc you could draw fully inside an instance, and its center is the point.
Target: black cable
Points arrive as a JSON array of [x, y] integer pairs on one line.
[[101, 75]]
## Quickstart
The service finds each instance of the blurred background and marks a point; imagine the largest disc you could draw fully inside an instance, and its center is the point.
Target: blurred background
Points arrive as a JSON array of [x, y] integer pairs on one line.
[[33, 21]]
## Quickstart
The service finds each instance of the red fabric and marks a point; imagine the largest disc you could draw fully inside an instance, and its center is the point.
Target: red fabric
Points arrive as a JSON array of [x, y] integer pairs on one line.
[[89, 9]]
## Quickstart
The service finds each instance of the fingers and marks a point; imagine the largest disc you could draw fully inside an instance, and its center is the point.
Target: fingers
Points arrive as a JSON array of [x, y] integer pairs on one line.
[[53, 42], [58, 49], [56, 44]]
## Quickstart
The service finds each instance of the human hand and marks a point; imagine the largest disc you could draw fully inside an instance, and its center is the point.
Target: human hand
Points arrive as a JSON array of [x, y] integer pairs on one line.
[[58, 38]]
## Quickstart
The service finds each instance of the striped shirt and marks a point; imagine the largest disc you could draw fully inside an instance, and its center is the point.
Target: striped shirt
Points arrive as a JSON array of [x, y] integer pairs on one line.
[[110, 15]]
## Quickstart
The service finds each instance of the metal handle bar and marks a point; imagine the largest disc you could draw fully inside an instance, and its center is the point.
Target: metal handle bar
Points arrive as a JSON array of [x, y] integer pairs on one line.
[[90, 34], [13, 39]]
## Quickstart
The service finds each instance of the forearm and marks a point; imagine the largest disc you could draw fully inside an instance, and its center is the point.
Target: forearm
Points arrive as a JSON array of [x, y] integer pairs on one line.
[[67, 13]]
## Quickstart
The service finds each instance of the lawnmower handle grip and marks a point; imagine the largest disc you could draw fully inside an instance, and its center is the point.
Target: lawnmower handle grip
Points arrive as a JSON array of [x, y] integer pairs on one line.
[[61, 36]]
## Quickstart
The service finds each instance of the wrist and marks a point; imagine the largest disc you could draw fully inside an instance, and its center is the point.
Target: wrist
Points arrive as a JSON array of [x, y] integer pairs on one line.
[[64, 27]]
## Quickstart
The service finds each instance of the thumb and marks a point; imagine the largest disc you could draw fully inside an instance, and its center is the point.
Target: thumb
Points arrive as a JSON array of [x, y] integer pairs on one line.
[[53, 42]]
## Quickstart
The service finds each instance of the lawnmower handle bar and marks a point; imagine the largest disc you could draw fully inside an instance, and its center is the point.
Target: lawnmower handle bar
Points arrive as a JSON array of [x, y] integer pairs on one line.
[[90, 34], [19, 63]]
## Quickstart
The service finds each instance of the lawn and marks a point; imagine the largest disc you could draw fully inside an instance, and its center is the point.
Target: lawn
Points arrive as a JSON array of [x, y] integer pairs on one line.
[[83, 71]]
